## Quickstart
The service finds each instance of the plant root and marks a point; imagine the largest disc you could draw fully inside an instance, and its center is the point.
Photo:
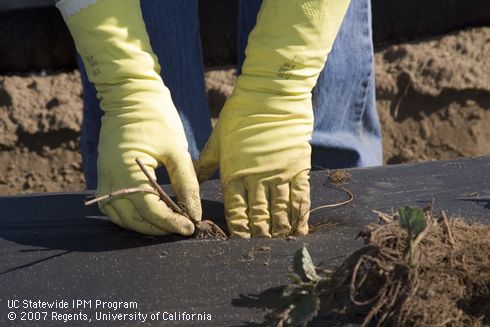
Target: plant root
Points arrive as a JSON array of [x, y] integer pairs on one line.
[[447, 284], [338, 204]]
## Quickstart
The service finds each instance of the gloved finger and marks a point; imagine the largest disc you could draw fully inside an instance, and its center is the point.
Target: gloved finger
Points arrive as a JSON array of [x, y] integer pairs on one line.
[[300, 203], [208, 161], [235, 199], [155, 212], [132, 219], [280, 210], [185, 184], [111, 213], [258, 208]]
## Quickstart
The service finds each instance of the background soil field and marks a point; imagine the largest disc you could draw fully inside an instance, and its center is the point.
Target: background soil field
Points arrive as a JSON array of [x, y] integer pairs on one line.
[[433, 98]]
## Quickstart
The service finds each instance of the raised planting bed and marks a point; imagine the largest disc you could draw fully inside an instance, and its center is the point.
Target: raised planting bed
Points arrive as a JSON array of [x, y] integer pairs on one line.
[[53, 248]]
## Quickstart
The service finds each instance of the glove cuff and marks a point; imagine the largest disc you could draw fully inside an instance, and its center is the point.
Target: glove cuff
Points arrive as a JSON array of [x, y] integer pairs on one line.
[[69, 8]]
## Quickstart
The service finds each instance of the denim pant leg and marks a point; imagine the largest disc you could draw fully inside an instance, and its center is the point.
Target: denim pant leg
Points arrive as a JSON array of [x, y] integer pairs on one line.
[[89, 135], [346, 130], [173, 28]]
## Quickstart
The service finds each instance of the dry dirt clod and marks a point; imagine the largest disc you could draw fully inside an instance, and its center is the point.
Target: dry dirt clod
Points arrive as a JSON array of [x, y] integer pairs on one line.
[[339, 176], [208, 229], [265, 249], [248, 257]]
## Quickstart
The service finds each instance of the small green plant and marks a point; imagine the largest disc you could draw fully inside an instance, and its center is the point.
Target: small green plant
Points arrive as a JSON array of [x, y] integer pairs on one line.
[[413, 270], [414, 221], [301, 294]]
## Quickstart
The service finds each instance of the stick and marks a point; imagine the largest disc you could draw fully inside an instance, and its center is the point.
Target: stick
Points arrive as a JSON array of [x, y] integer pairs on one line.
[[172, 205], [120, 192], [159, 191], [165, 198], [384, 217], [201, 226]]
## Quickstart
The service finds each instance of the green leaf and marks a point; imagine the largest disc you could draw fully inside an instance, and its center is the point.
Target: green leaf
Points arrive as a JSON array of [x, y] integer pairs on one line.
[[303, 265], [413, 220], [290, 290], [295, 278], [303, 309]]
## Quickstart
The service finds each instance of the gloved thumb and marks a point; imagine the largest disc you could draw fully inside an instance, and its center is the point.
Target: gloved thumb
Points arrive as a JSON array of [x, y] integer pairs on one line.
[[208, 161], [185, 185]]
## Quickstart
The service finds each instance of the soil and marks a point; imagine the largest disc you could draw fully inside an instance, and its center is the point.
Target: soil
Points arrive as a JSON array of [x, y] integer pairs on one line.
[[433, 99], [40, 117]]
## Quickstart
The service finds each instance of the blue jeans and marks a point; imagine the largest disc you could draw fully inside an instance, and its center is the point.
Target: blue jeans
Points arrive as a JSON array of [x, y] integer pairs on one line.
[[346, 131]]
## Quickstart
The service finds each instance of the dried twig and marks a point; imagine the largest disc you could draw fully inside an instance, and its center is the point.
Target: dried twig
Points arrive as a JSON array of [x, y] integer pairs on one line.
[[120, 192], [203, 228], [165, 198], [383, 216]]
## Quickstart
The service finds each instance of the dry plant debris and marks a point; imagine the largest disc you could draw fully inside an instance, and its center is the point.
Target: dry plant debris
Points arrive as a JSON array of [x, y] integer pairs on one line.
[[207, 228], [203, 229], [414, 270]]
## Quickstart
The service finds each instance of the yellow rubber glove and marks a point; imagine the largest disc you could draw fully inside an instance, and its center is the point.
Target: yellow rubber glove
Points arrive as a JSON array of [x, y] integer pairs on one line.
[[140, 120], [261, 141]]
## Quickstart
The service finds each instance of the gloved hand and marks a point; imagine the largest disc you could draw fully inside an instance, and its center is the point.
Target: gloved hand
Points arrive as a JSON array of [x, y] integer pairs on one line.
[[140, 120], [261, 141]]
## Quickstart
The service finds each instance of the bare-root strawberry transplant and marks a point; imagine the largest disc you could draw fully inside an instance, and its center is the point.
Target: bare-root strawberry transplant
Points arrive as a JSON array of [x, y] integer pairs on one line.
[[415, 269]]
